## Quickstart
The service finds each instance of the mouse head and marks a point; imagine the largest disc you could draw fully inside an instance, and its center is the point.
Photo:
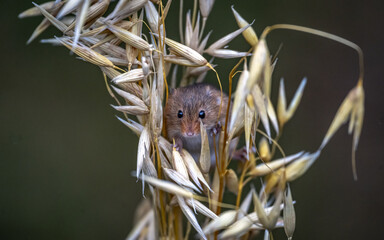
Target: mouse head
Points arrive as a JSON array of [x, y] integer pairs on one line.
[[188, 105]]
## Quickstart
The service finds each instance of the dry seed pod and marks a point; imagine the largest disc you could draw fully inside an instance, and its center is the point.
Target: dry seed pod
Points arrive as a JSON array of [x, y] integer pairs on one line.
[[261, 107], [134, 75], [130, 98], [140, 225], [59, 25], [264, 151], [205, 154], [231, 181], [129, 38], [259, 60], [352, 108], [178, 163], [70, 6], [186, 52], [223, 221], [135, 127], [188, 213], [201, 208], [87, 54], [148, 167], [300, 166], [80, 20], [238, 102], [283, 113], [226, 39], [268, 221], [206, 7], [50, 7], [167, 186], [194, 171], [249, 34], [289, 214], [180, 179], [266, 168], [249, 117], [133, 110], [143, 147], [227, 54], [180, 61], [239, 228]]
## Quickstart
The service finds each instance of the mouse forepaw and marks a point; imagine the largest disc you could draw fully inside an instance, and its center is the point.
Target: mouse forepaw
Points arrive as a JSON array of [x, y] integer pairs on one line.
[[240, 154], [216, 129], [178, 144]]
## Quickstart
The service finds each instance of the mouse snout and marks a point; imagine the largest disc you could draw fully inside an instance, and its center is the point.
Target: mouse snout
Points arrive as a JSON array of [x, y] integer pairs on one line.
[[190, 130], [190, 134]]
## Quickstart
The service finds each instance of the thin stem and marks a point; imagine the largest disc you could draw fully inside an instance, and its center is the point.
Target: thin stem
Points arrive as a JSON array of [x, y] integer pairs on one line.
[[333, 37], [181, 21]]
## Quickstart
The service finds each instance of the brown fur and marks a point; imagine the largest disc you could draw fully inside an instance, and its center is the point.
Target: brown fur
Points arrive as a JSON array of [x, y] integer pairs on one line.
[[191, 100]]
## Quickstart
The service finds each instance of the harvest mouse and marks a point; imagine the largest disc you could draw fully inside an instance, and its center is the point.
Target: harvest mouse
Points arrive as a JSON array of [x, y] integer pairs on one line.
[[185, 106]]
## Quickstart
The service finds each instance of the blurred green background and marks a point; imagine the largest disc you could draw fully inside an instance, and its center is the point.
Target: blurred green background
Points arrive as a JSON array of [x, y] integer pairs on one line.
[[65, 160]]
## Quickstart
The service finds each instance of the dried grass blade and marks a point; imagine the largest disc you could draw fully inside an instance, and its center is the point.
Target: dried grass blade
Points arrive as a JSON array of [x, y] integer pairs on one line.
[[190, 216], [138, 228]]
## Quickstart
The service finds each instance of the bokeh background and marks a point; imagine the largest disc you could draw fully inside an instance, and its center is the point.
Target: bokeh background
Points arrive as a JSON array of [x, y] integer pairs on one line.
[[65, 160]]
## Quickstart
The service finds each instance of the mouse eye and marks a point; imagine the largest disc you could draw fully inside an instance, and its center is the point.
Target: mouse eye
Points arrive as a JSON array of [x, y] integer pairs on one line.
[[180, 114], [202, 114]]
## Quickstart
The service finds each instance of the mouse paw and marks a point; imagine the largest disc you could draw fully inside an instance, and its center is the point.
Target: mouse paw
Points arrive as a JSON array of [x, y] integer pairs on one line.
[[178, 144], [240, 154], [216, 129]]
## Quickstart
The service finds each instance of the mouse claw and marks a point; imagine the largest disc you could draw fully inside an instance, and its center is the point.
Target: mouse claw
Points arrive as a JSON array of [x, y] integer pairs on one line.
[[216, 129], [178, 144]]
